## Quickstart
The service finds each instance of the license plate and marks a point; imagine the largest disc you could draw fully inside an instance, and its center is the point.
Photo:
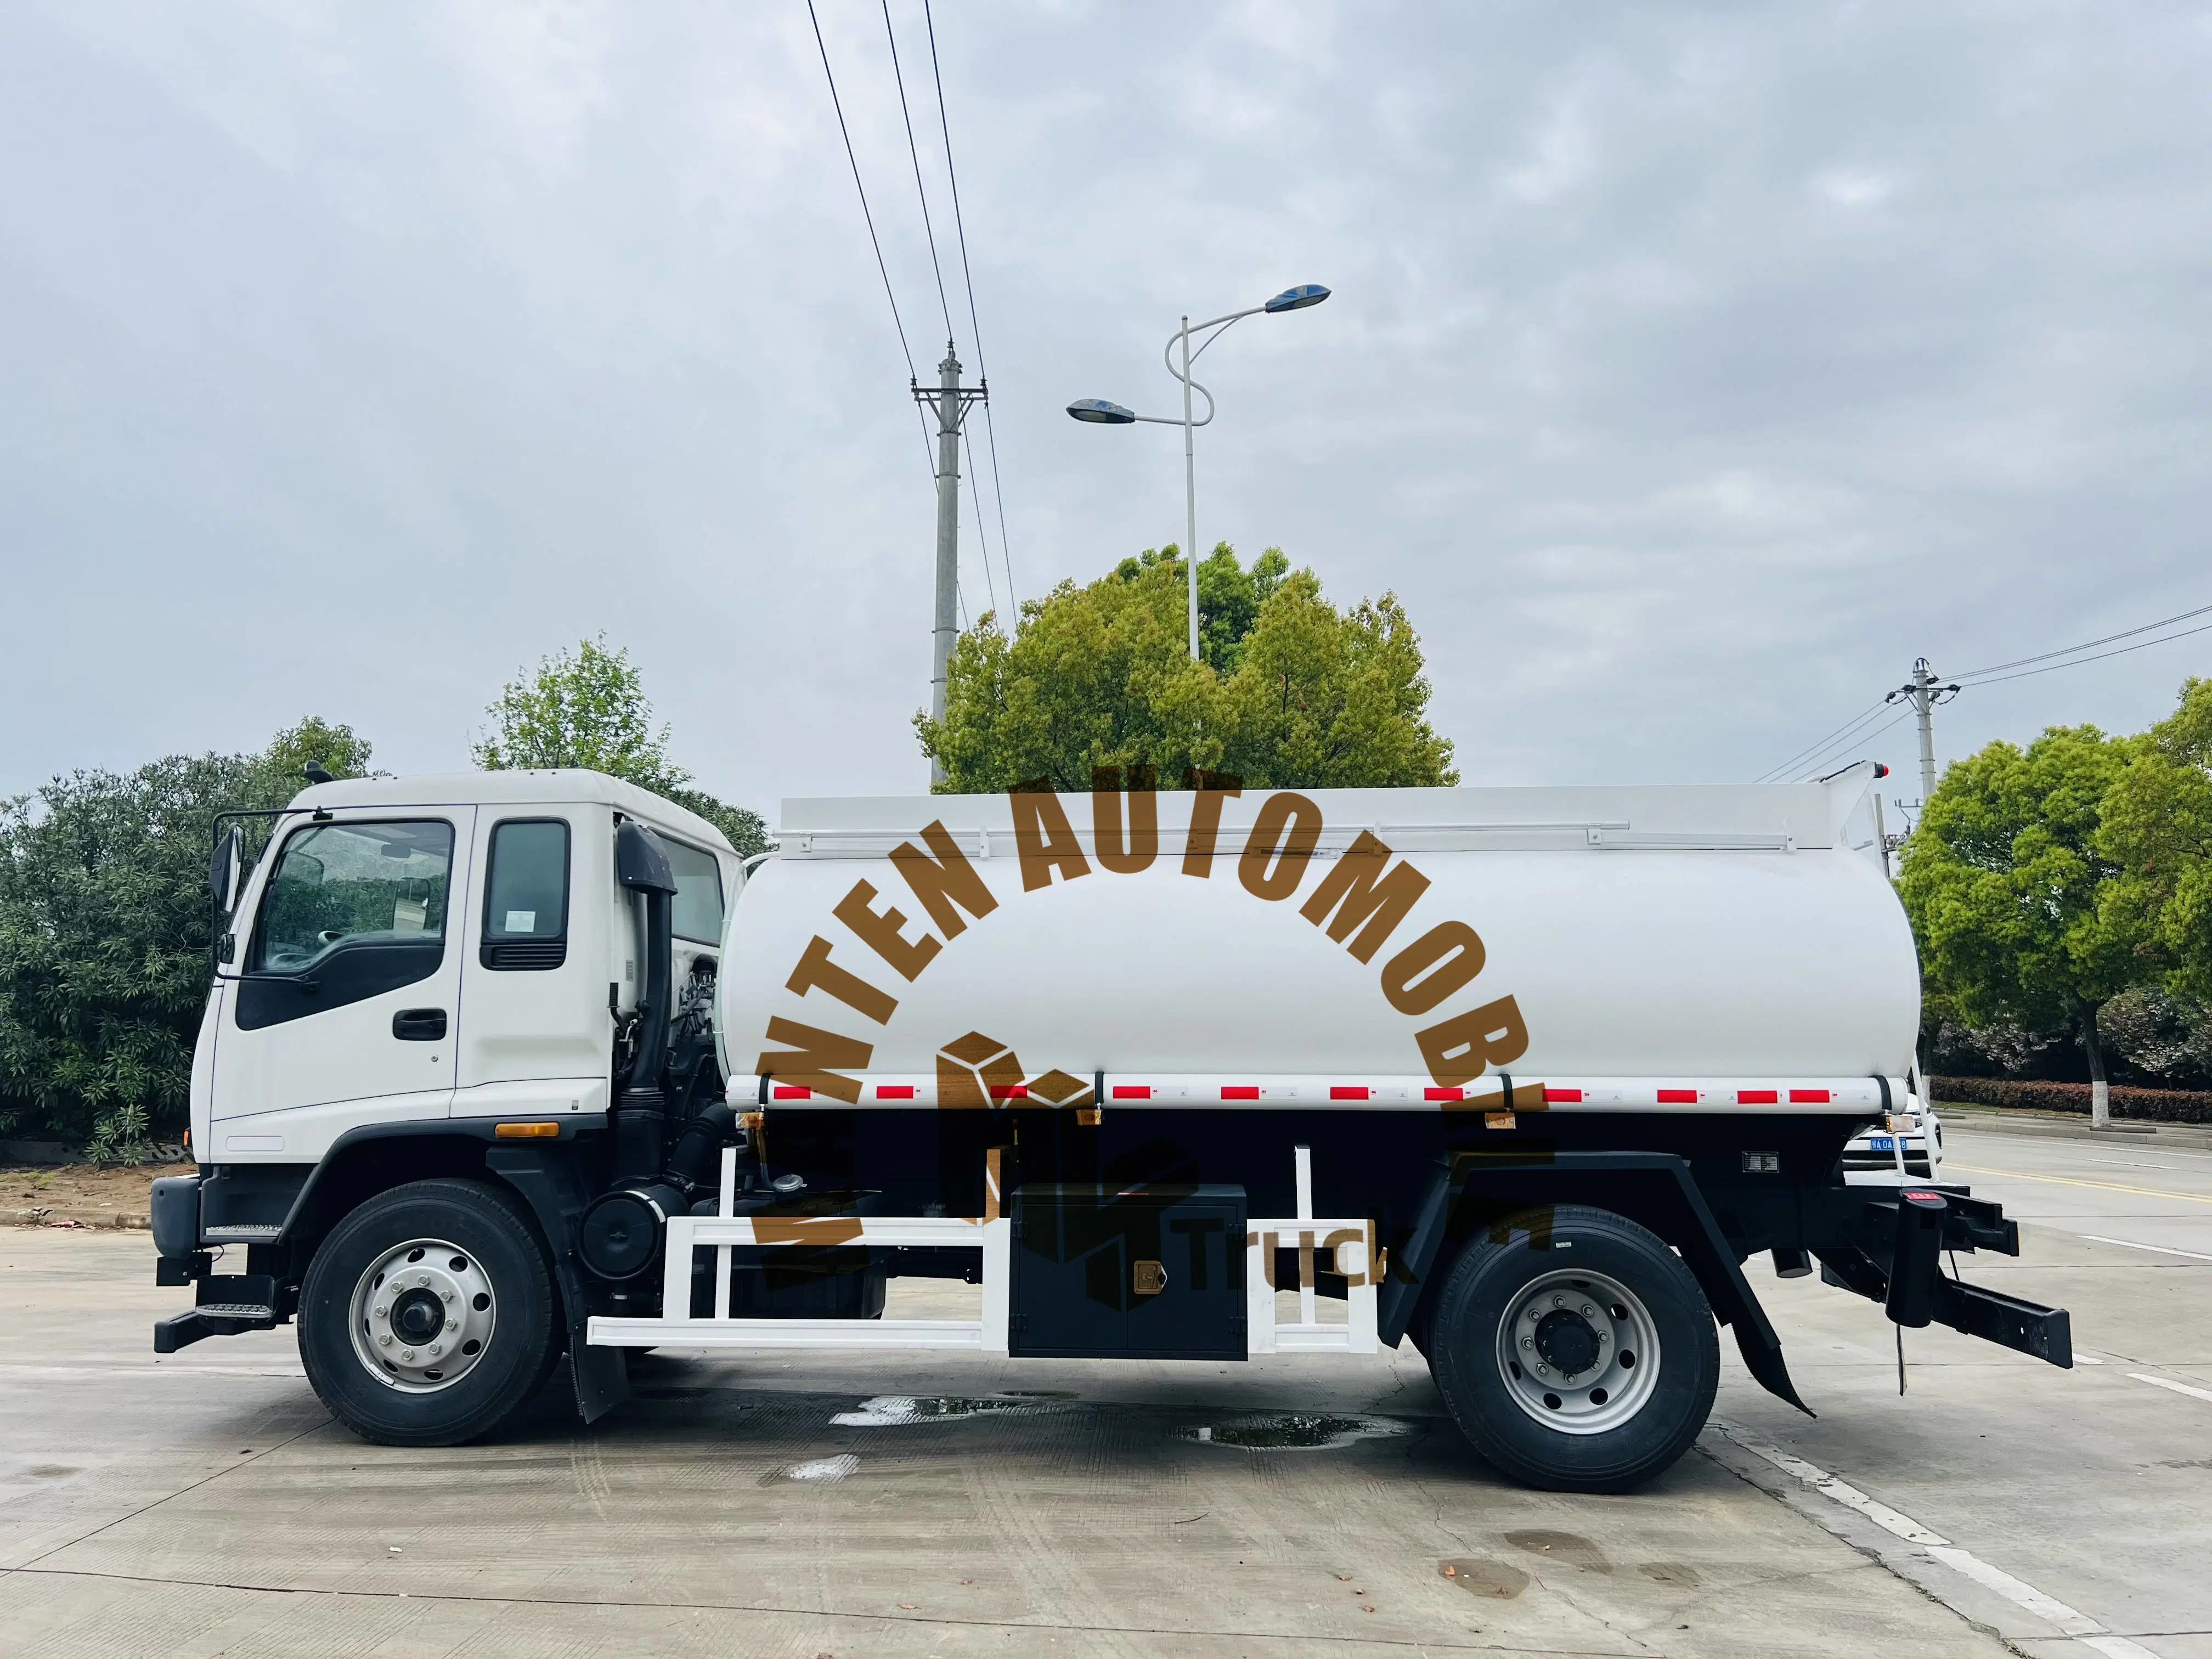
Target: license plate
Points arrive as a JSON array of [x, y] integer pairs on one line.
[[1883, 1143]]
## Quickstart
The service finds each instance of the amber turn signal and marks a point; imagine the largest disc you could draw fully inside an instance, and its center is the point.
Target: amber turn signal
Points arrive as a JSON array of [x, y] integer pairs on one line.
[[528, 1131]]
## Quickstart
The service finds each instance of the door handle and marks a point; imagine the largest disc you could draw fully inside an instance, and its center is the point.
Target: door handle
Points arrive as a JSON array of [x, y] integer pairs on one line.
[[419, 1024]]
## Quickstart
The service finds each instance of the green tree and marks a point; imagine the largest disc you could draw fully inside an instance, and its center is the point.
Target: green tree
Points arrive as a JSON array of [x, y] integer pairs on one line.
[[2157, 829], [104, 933], [588, 709], [1289, 693], [2019, 912]]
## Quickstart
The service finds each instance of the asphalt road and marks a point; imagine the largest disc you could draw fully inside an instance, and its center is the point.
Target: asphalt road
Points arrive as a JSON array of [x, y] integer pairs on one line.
[[205, 1505]]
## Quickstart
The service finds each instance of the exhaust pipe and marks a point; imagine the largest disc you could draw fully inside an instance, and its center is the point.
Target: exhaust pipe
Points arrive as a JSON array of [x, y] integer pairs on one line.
[[640, 1112]]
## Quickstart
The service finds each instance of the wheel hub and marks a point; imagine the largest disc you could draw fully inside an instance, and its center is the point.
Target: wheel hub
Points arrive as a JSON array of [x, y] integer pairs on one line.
[[1568, 1342], [1578, 1352], [422, 1315]]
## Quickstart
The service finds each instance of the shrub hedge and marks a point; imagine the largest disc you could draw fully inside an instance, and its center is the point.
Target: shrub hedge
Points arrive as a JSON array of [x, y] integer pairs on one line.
[[2162, 1105]]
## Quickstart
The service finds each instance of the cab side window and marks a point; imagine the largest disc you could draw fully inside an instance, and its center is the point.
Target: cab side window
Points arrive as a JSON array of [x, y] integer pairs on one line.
[[352, 910], [696, 912], [526, 927]]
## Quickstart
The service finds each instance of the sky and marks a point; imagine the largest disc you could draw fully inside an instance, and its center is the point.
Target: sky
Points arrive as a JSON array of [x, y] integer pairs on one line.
[[1689, 369]]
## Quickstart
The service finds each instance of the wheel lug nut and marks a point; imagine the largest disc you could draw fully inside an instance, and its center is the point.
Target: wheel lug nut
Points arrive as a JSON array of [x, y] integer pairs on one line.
[[407, 1354], [453, 1324], [386, 1339], [422, 1281], [448, 1295], [435, 1350], [384, 1313], [1588, 1312], [1527, 1341]]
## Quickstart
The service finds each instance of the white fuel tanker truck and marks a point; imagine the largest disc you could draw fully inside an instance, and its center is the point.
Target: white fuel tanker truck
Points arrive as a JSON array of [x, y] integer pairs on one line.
[[505, 1069]]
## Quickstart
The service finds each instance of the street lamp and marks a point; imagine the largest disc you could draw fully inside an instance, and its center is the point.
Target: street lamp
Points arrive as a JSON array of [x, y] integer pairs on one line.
[[1099, 412]]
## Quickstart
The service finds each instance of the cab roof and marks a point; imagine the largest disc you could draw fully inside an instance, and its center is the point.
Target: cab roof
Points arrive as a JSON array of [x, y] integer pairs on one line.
[[567, 787]]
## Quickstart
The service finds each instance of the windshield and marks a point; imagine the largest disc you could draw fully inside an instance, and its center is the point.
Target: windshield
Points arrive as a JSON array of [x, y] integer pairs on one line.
[[339, 882]]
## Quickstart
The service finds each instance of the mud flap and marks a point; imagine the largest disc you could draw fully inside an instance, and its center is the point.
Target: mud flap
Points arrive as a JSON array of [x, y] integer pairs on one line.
[[601, 1377]]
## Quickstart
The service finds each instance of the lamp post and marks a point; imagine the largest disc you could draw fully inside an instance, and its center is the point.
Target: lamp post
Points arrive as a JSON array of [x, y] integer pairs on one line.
[[1099, 412]]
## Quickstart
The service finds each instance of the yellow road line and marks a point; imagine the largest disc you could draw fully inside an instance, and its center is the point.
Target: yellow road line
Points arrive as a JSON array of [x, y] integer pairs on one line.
[[2069, 1180]]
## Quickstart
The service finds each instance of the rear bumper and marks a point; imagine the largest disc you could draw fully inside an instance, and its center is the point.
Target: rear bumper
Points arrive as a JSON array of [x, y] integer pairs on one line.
[[1891, 1251]]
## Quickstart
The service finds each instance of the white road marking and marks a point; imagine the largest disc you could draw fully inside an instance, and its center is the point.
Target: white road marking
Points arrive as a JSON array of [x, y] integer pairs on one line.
[[2130, 1244], [2179, 1388], [34, 1369], [2135, 1163], [2071, 1621]]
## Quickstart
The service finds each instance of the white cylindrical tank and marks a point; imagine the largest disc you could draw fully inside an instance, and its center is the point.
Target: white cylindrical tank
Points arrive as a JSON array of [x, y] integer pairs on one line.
[[1684, 947]]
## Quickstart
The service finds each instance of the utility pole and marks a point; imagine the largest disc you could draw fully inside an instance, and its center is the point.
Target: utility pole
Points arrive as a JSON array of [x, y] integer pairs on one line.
[[1924, 692], [950, 401]]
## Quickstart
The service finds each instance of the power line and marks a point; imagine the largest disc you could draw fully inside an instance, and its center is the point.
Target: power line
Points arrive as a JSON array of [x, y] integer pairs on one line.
[[976, 496], [1823, 756], [837, 104], [883, 270], [1815, 748], [2143, 646], [914, 151], [975, 324], [2126, 633]]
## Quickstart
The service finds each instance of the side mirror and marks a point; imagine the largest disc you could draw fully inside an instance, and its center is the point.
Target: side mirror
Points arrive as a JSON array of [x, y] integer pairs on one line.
[[226, 868]]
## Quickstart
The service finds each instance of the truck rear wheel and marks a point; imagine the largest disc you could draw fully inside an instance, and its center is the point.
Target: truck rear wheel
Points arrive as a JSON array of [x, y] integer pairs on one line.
[[426, 1318], [1579, 1355]]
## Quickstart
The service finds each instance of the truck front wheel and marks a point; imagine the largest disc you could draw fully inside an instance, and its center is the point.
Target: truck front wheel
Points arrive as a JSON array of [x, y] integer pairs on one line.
[[426, 1318], [1579, 1354]]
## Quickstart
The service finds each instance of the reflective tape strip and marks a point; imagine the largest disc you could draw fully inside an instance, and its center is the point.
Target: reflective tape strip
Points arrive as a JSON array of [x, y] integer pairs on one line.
[[1756, 1096], [788, 1092], [1678, 1096], [1338, 1091]]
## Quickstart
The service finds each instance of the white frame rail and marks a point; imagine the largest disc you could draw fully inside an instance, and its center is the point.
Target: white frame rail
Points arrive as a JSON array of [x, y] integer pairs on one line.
[[688, 1233]]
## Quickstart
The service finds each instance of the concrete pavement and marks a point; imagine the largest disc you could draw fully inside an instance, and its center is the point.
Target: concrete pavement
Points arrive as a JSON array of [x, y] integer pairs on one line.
[[205, 1505]]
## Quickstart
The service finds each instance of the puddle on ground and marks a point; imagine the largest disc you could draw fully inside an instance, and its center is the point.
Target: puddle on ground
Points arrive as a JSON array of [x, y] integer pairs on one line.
[[1668, 1572], [888, 1410], [1500, 1581], [824, 1471], [1293, 1431], [1570, 1547]]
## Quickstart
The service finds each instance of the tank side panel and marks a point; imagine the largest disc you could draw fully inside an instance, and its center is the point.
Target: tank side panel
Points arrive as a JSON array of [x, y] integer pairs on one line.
[[1644, 962]]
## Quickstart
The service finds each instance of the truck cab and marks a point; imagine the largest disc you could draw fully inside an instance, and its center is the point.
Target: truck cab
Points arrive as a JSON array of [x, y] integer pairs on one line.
[[415, 974]]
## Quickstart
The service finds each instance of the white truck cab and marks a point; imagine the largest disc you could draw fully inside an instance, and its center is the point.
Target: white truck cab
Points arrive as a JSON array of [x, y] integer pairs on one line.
[[415, 949]]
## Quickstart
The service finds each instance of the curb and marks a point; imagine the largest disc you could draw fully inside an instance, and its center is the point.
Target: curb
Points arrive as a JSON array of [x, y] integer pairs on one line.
[[104, 1220], [2124, 1132]]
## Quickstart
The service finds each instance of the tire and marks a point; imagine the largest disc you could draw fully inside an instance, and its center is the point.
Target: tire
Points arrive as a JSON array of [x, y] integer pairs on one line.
[[1621, 1356], [461, 1252]]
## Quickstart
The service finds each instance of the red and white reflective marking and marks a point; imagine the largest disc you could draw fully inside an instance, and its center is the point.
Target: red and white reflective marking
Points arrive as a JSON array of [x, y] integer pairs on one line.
[[1164, 1091]]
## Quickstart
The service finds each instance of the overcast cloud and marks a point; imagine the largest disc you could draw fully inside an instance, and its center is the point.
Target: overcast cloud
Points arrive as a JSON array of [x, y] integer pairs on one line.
[[1691, 369]]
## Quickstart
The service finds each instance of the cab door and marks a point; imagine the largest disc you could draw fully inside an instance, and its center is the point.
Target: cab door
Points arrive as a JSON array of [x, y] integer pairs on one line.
[[346, 1009]]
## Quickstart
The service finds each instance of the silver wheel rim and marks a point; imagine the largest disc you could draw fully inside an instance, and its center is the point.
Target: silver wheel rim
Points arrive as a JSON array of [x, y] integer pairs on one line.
[[392, 1315], [1617, 1338]]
